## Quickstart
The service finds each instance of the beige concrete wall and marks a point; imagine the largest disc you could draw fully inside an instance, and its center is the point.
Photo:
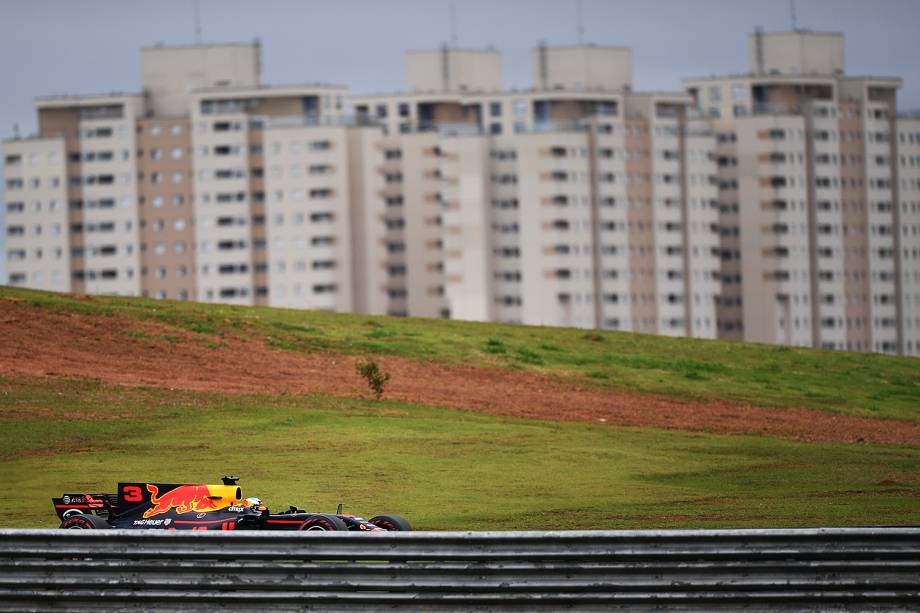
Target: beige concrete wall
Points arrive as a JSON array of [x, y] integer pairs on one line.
[[422, 233], [701, 237], [797, 53], [308, 218], [884, 231], [454, 70], [582, 68], [772, 304], [258, 231], [640, 221], [35, 209], [225, 254], [467, 222], [612, 213], [164, 166], [99, 133], [854, 216], [557, 287], [64, 123], [124, 216], [369, 277], [170, 73], [908, 143]]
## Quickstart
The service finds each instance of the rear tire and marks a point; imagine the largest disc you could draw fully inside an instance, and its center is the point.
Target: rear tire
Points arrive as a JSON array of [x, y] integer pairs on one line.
[[85, 522], [323, 523], [391, 523]]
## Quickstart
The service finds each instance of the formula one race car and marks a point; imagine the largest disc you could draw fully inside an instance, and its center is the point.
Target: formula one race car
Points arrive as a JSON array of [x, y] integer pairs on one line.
[[170, 506]]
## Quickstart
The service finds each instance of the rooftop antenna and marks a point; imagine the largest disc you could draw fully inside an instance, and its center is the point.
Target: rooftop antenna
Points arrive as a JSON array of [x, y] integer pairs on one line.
[[445, 67], [197, 23], [795, 25], [258, 44], [544, 70], [453, 24], [16, 130], [578, 22]]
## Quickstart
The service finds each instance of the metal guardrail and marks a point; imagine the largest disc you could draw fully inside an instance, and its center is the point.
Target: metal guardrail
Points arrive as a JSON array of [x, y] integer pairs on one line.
[[812, 569]]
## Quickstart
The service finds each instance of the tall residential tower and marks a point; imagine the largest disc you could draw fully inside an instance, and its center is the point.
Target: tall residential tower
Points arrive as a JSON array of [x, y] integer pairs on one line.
[[820, 207], [578, 202], [207, 185], [781, 205]]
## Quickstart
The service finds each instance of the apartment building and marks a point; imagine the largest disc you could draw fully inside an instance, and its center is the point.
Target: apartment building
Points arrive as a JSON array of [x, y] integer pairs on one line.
[[818, 188], [577, 203], [780, 206], [206, 185]]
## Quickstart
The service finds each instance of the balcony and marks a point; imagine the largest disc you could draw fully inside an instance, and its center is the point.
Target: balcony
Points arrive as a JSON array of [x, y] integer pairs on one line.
[[768, 108]]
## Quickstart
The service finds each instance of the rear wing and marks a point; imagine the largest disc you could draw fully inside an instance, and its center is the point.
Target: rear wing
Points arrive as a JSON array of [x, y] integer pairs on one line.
[[103, 505]]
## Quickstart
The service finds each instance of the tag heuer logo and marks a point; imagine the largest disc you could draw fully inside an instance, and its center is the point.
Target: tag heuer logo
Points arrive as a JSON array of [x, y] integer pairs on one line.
[[167, 521]]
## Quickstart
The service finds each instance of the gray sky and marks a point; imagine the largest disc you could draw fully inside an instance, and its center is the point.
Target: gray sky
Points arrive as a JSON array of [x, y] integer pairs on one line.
[[87, 46], [82, 46]]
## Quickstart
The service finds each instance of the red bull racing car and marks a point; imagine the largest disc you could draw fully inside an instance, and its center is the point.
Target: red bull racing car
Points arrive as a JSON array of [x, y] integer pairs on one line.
[[171, 506]]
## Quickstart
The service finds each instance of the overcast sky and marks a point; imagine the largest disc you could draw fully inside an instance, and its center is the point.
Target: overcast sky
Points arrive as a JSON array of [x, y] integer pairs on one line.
[[87, 46]]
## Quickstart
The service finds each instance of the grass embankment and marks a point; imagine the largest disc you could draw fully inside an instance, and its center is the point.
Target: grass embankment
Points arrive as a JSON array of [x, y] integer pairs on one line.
[[443, 469], [868, 385]]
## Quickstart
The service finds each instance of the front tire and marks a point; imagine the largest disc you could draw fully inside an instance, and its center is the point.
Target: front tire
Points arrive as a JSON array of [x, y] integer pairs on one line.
[[85, 522], [323, 523], [391, 523]]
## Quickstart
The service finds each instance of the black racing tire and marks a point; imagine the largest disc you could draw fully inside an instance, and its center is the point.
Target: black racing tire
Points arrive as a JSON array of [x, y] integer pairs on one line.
[[85, 522], [323, 523], [392, 523]]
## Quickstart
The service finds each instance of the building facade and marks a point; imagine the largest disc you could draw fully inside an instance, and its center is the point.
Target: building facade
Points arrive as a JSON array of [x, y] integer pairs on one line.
[[778, 206], [576, 203], [818, 190], [206, 186]]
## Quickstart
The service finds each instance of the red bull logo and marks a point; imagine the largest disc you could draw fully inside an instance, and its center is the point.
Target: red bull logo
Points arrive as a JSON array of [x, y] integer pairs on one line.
[[184, 499]]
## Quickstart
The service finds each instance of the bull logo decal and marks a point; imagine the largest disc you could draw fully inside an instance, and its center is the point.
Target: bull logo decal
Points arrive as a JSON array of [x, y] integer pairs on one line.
[[184, 499]]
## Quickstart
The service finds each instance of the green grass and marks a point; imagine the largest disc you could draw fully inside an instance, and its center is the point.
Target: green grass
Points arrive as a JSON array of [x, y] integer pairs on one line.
[[442, 469], [862, 384]]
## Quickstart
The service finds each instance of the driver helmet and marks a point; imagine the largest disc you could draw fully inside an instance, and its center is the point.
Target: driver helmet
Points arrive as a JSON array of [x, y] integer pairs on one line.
[[253, 502]]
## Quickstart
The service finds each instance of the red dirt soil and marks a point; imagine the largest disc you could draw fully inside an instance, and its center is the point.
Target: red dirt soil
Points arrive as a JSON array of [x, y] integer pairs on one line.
[[38, 342]]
